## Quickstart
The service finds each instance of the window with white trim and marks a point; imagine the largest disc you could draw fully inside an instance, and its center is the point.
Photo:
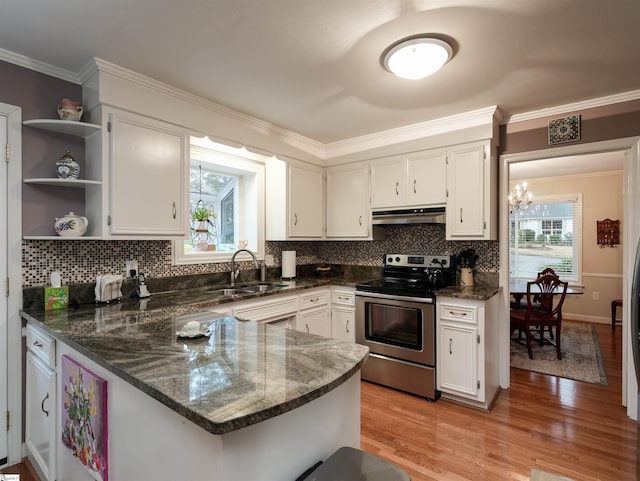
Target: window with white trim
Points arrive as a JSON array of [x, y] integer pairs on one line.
[[226, 203], [547, 234]]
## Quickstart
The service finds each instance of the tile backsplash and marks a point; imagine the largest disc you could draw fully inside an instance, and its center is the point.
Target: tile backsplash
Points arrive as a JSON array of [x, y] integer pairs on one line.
[[81, 261]]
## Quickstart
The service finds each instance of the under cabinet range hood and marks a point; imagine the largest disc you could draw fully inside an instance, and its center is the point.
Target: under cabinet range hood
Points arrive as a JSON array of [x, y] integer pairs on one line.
[[426, 215]]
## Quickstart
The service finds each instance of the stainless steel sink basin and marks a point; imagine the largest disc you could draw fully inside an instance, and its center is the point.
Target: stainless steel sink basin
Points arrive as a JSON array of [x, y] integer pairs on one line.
[[263, 287], [244, 290], [229, 292]]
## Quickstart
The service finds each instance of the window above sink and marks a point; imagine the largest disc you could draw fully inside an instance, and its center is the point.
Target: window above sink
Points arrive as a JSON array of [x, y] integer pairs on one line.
[[226, 203]]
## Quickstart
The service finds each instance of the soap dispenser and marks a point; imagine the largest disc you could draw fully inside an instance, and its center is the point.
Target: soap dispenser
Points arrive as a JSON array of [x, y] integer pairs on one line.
[[263, 272]]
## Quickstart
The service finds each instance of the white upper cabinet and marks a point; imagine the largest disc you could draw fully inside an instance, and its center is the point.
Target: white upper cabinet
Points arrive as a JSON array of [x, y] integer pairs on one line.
[[413, 180], [348, 214], [388, 182], [427, 178], [472, 195], [295, 200], [146, 162]]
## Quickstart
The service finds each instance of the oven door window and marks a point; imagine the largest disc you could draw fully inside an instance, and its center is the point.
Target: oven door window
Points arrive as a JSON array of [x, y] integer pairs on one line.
[[395, 325]]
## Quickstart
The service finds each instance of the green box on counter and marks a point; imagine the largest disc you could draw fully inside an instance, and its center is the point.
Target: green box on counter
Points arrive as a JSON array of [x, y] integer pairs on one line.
[[56, 297]]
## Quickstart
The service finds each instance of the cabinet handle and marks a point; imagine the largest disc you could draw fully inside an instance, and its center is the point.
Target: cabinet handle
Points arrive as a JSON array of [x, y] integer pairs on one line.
[[360, 220], [175, 209], [414, 187], [450, 345], [37, 343], [307, 326], [295, 219], [316, 299], [453, 313], [460, 214], [42, 405], [397, 185], [347, 326], [342, 298]]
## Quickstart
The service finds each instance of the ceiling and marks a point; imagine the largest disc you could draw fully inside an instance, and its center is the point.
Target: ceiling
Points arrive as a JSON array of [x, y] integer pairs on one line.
[[313, 66]]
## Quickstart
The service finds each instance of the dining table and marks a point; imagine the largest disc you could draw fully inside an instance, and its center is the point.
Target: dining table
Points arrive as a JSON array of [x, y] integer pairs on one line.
[[518, 290]]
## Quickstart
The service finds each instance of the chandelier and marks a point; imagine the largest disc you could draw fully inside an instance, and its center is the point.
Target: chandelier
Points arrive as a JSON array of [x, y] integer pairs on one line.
[[520, 198]]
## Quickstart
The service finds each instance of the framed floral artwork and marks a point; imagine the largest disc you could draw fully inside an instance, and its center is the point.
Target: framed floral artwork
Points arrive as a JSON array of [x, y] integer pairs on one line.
[[84, 417]]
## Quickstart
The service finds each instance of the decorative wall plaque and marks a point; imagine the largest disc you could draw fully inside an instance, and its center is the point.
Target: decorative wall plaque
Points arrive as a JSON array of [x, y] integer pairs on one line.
[[566, 129], [608, 232]]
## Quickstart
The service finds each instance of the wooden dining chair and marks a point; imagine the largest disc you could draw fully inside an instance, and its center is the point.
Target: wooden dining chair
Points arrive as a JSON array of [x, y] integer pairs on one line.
[[542, 313]]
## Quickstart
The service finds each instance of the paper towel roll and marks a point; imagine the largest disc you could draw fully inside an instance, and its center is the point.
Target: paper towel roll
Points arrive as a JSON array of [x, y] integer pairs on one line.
[[288, 264]]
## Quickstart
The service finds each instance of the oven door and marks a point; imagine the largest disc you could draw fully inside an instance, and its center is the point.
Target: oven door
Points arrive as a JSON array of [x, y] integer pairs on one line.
[[398, 327]]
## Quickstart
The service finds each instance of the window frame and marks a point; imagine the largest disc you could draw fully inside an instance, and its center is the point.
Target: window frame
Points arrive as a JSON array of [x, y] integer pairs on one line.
[[577, 237], [250, 168]]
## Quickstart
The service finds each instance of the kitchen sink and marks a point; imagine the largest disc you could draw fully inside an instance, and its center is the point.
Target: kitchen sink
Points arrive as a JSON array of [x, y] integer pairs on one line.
[[263, 287], [229, 292]]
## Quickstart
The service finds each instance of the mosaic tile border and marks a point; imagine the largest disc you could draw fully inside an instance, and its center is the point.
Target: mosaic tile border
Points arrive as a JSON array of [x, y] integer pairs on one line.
[[82, 260]]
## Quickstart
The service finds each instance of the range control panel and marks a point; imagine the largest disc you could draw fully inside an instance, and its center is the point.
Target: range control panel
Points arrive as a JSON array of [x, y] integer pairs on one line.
[[424, 261]]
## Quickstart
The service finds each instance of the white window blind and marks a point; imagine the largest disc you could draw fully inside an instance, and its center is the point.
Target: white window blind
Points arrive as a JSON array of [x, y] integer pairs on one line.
[[547, 234]]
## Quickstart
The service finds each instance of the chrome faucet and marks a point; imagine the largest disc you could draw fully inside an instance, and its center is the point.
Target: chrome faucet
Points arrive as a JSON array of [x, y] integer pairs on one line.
[[234, 271]]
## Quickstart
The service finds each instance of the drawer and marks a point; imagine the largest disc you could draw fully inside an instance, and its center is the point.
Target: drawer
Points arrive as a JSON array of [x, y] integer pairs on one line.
[[343, 298], [314, 298], [458, 313], [42, 345]]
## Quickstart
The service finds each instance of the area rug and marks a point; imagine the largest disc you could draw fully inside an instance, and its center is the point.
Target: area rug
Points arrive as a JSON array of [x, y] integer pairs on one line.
[[581, 357]]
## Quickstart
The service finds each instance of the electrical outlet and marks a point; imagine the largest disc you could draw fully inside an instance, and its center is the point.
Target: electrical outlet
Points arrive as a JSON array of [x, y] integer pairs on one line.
[[269, 260], [131, 268], [596, 296]]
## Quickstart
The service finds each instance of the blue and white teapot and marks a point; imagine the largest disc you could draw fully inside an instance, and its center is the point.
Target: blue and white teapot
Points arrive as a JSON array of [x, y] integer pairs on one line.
[[71, 225]]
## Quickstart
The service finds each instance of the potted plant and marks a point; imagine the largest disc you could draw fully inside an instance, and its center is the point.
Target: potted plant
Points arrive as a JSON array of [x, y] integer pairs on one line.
[[201, 215]]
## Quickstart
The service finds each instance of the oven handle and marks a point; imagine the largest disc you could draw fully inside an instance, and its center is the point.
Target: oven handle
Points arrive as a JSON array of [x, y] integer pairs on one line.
[[376, 295]]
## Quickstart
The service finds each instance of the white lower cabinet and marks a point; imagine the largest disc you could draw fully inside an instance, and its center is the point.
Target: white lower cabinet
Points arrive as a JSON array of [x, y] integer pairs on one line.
[[314, 316], [40, 404], [467, 346], [343, 314]]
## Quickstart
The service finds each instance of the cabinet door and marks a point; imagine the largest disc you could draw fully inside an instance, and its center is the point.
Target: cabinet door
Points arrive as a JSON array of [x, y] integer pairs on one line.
[[342, 324], [314, 321], [147, 177], [458, 359], [306, 201], [466, 184], [40, 435], [427, 179], [348, 202], [388, 183]]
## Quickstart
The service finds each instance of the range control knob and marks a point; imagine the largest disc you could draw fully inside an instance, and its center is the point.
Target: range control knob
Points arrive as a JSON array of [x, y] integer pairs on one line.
[[390, 259], [397, 259]]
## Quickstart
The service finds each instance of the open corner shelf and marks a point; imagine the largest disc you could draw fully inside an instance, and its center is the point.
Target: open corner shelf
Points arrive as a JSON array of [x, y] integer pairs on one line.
[[55, 182], [69, 127]]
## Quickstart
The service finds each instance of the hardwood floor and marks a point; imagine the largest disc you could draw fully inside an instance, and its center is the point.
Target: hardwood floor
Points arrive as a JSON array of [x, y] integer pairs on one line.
[[570, 428], [24, 469]]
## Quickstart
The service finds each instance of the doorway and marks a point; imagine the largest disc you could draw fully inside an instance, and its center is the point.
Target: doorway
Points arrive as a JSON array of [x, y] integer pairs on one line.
[[630, 149], [11, 286]]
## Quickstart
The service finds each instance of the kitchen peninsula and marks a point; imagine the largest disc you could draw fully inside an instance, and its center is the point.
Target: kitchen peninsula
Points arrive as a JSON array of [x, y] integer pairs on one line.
[[248, 401]]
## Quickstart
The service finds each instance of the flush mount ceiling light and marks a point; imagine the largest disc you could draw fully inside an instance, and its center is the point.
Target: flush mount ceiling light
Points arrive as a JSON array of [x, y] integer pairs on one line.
[[417, 57]]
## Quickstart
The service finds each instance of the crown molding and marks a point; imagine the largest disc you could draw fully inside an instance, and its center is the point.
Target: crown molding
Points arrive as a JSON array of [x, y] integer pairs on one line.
[[301, 142], [485, 116], [563, 109], [38, 66]]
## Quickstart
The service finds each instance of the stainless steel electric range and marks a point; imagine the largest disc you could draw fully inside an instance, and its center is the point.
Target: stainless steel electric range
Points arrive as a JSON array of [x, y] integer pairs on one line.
[[396, 319]]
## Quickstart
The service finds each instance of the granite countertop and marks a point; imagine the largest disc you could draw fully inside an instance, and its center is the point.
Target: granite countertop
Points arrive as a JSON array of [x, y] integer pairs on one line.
[[478, 292], [245, 372]]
